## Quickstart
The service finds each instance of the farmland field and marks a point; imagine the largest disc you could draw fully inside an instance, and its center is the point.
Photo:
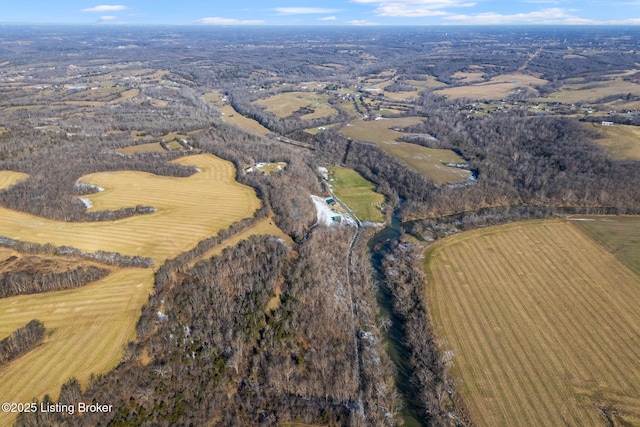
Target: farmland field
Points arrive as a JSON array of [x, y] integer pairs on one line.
[[152, 147], [89, 326], [591, 92], [494, 89], [87, 329], [285, 104], [621, 141], [620, 235], [8, 178], [188, 210], [428, 161], [358, 194], [539, 324], [231, 116]]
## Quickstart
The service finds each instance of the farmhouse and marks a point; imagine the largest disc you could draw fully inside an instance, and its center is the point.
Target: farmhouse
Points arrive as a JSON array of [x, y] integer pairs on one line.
[[607, 123]]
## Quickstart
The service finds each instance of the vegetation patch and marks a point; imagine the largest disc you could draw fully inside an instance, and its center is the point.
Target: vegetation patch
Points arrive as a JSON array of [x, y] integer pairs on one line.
[[311, 104], [538, 323], [497, 88], [29, 274], [620, 235], [621, 141], [265, 167], [265, 226], [430, 162], [358, 194], [20, 341], [231, 116], [592, 91], [152, 147]]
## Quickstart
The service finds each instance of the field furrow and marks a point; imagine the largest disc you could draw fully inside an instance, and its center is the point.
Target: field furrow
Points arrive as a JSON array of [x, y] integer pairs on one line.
[[541, 321]]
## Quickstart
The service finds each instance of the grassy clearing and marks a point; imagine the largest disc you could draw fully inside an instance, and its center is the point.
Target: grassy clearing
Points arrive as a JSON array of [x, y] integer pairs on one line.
[[188, 210], [428, 161], [540, 323], [126, 96], [285, 104], [358, 194], [621, 141], [8, 178], [173, 136], [591, 92], [88, 328], [620, 235], [378, 131], [231, 116], [497, 88], [152, 147], [430, 82]]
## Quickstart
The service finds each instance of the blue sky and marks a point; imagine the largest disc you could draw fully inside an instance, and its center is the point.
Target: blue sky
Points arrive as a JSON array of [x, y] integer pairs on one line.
[[325, 12]]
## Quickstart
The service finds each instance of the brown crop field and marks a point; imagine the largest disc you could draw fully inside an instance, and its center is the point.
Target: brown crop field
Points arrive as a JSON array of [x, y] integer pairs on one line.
[[285, 104], [428, 161], [89, 326], [539, 324], [621, 141]]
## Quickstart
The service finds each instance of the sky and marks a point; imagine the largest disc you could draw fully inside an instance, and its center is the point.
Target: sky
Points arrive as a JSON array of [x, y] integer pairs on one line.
[[324, 12]]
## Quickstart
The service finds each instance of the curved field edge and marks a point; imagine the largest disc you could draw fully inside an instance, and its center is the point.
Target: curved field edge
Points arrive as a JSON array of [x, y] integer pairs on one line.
[[90, 326], [187, 210], [538, 325], [9, 178]]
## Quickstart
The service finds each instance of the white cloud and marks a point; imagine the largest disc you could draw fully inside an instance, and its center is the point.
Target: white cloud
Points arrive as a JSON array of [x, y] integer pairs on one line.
[[554, 16], [107, 18], [105, 8], [328, 18], [414, 8], [361, 23], [216, 20], [303, 10]]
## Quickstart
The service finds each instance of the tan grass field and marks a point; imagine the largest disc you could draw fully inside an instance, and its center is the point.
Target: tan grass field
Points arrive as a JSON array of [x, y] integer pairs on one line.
[[540, 323], [188, 210], [620, 235], [8, 178], [90, 325], [231, 116], [87, 329], [126, 96], [429, 83], [285, 104], [621, 141], [428, 161], [497, 88], [591, 92], [152, 147]]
